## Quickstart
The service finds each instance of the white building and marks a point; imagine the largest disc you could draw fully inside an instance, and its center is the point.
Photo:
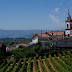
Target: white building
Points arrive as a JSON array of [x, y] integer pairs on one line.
[[68, 22], [39, 37], [47, 36], [57, 39]]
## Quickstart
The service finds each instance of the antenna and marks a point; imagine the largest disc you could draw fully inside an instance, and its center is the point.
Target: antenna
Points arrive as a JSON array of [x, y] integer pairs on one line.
[[41, 32], [68, 10], [32, 34]]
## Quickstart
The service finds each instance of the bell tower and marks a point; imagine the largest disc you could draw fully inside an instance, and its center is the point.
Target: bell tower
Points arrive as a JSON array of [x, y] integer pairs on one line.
[[68, 22]]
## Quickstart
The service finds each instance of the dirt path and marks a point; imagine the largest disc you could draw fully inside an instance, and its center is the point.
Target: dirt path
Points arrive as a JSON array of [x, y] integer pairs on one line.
[[34, 67], [65, 57], [61, 59], [52, 65], [11, 48], [46, 66], [39, 65], [57, 62]]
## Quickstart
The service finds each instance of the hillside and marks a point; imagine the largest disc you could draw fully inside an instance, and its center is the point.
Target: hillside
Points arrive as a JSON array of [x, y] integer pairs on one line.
[[19, 33], [51, 64]]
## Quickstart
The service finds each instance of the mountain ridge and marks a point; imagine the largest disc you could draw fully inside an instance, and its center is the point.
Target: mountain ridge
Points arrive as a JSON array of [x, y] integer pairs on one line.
[[21, 33]]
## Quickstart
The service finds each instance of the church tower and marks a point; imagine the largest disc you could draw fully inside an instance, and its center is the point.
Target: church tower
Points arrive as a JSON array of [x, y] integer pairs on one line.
[[68, 22]]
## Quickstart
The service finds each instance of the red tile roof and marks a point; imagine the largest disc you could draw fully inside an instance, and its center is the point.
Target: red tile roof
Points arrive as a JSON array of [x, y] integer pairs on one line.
[[54, 33], [43, 35], [26, 45], [70, 35]]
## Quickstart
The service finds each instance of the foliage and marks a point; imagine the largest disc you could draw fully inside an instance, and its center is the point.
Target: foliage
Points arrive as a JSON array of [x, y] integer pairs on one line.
[[42, 65], [37, 51], [26, 64], [2, 64], [67, 67], [66, 61], [61, 69], [14, 41], [23, 66], [37, 70], [29, 65], [5, 67], [10, 67], [48, 64], [17, 66]]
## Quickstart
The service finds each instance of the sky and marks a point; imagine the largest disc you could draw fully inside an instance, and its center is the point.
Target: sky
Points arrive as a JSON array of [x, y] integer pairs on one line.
[[34, 14]]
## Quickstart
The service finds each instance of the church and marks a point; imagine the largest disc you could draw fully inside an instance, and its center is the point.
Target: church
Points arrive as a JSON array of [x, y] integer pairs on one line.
[[68, 22], [57, 39]]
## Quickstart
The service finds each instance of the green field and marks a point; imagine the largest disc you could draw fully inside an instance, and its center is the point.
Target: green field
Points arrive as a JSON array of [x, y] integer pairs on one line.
[[60, 63]]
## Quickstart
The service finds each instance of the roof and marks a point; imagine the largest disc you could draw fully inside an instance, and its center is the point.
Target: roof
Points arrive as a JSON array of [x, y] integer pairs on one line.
[[41, 35], [70, 35], [68, 18], [26, 45], [55, 33]]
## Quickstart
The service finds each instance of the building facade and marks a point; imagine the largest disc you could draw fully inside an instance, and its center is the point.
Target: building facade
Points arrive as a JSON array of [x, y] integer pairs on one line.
[[57, 39], [68, 22]]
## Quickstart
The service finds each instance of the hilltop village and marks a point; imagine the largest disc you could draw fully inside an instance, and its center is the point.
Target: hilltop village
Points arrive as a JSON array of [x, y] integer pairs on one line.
[[57, 39], [50, 39], [47, 50]]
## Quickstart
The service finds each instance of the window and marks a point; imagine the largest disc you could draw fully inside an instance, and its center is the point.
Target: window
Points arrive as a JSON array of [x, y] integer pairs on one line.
[[68, 35], [67, 26]]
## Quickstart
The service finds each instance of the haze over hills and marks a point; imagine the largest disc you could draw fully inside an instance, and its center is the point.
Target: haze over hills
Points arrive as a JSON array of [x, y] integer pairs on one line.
[[20, 33]]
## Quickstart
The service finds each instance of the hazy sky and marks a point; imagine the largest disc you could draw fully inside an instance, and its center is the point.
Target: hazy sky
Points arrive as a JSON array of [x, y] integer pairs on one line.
[[34, 14]]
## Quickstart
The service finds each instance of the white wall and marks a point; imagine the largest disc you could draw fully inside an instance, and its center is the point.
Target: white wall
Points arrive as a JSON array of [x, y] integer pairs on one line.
[[67, 32], [35, 39], [68, 25]]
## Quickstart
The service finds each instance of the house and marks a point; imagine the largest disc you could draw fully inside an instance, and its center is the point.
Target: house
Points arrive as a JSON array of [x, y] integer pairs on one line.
[[58, 39], [39, 37], [57, 34], [64, 42], [47, 36]]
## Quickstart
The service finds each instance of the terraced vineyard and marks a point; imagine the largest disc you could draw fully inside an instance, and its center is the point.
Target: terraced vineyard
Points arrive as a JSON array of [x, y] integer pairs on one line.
[[51, 64]]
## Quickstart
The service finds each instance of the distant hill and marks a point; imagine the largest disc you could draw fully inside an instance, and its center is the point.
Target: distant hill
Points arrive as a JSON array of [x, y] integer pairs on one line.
[[19, 33]]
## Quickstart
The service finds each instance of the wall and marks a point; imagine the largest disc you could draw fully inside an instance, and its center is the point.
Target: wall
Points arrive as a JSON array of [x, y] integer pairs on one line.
[[35, 39], [57, 44], [67, 32], [64, 44], [45, 44]]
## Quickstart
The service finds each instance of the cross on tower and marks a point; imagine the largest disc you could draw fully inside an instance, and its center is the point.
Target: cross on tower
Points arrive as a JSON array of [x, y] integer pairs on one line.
[[68, 10]]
